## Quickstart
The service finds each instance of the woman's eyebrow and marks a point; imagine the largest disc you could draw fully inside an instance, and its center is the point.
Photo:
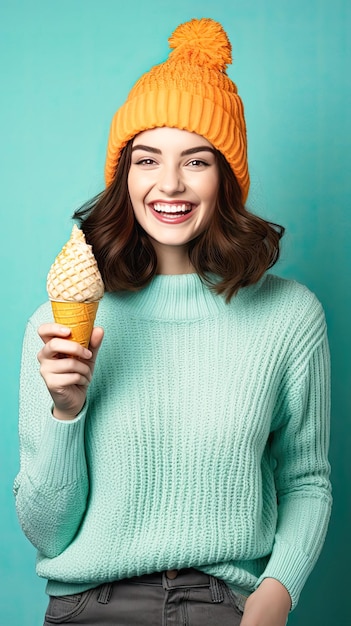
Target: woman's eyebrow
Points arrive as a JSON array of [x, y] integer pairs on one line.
[[147, 149], [198, 149], [184, 153]]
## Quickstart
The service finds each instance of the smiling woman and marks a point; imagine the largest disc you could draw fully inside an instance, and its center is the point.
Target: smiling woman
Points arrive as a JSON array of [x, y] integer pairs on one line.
[[186, 478]]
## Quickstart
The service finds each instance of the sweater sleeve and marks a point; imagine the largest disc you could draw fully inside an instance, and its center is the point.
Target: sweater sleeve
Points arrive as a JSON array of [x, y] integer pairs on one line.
[[300, 447], [51, 487]]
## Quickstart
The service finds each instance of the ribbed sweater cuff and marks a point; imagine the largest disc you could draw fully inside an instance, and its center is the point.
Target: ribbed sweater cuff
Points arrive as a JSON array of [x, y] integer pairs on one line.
[[289, 566], [61, 458]]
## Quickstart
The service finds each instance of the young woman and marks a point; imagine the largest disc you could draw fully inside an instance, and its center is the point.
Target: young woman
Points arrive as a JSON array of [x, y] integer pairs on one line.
[[176, 471]]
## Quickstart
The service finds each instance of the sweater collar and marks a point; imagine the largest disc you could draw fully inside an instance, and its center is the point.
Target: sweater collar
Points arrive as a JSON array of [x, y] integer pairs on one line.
[[180, 297]]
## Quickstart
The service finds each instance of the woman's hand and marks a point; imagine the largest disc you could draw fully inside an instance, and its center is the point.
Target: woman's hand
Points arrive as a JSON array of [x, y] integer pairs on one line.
[[269, 605], [67, 368]]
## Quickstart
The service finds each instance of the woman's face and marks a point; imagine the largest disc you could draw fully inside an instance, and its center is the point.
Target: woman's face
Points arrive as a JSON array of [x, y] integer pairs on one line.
[[173, 184]]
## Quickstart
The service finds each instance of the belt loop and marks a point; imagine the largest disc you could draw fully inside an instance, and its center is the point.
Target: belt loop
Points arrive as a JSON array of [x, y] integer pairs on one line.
[[105, 593], [165, 581], [216, 590]]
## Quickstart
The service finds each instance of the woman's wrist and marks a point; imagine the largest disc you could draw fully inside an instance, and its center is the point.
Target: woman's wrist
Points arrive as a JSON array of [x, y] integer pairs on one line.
[[269, 605], [62, 415], [277, 589]]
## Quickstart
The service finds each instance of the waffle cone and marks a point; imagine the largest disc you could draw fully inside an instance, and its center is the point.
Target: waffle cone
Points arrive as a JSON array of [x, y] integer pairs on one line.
[[78, 316]]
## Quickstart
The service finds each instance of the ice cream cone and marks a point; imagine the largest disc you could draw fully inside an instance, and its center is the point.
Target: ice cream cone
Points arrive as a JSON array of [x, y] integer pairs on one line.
[[78, 316], [75, 287]]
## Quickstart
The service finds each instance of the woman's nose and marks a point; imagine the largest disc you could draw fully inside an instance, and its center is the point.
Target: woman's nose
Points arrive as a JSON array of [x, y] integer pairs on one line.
[[170, 180]]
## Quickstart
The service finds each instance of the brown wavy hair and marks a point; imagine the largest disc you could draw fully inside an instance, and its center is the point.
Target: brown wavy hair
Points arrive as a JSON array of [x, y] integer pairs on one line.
[[237, 248]]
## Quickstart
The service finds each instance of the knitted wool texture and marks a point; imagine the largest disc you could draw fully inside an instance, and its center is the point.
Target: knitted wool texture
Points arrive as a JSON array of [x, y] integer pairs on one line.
[[190, 91], [200, 416]]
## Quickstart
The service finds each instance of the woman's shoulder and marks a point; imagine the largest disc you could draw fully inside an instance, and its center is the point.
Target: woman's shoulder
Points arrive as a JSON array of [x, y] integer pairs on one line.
[[288, 290], [287, 301]]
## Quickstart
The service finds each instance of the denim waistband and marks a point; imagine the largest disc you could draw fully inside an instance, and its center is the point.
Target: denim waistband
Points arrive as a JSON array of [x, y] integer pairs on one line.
[[183, 578]]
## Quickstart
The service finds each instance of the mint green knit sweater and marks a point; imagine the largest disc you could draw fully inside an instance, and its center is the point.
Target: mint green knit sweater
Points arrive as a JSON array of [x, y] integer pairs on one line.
[[203, 442]]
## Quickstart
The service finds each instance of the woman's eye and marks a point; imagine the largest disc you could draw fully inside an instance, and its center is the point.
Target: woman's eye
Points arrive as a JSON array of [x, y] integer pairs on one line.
[[197, 163], [146, 161]]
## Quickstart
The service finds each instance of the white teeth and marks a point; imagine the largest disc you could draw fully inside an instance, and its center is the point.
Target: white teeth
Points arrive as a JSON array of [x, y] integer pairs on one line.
[[172, 208]]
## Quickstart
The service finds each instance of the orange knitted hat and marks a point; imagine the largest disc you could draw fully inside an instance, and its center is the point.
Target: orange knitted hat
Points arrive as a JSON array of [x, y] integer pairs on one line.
[[190, 91]]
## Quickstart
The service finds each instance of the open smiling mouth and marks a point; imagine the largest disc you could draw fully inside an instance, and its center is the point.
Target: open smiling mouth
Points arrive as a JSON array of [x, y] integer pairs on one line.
[[172, 210]]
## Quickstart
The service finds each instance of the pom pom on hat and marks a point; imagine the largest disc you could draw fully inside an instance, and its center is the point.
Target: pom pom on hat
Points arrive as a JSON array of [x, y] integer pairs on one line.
[[203, 42], [190, 91]]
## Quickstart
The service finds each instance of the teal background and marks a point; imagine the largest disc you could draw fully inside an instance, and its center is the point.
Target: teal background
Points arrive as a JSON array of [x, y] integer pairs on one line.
[[65, 68]]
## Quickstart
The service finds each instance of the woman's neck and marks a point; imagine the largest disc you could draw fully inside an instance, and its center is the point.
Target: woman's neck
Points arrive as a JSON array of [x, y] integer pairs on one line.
[[172, 259]]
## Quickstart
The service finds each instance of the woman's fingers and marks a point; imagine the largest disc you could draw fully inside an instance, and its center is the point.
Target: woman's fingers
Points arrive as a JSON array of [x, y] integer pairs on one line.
[[56, 338], [63, 376], [48, 331], [96, 337], [58, 385], [67, 365], [57, 348], [56, 342], [95, 341]]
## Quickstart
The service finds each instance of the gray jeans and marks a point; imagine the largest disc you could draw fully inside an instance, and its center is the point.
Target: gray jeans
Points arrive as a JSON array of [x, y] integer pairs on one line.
[[175, 598]]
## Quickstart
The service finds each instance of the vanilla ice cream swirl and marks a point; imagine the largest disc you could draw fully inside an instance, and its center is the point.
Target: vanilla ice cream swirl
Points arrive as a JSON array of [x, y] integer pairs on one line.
[[74, 276]]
